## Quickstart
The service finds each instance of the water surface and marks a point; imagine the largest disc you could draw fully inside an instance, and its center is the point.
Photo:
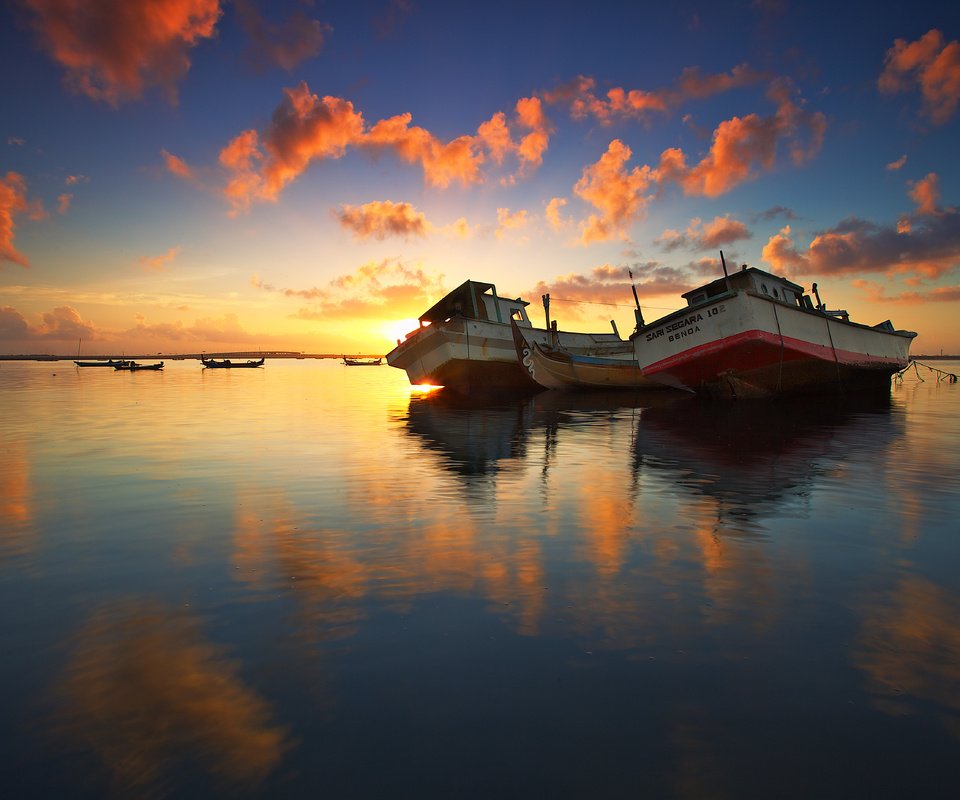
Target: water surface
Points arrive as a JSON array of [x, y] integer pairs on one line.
[[311, 580]]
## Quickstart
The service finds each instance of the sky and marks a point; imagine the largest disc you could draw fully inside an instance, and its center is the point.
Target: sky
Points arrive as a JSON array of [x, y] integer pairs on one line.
[[199, 175]]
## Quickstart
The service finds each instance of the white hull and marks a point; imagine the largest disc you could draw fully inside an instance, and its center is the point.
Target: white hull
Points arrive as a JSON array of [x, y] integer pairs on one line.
[[746, 344], [473, 356]]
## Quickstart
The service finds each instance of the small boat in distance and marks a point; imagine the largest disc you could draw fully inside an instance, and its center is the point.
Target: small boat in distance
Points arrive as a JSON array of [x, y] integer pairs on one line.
[[755, 334], [108, 363], [362, 362], [133, 366], [228, 364]]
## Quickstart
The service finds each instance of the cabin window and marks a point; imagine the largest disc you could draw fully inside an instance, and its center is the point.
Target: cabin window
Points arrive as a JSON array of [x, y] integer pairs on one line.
[[776, 293], [763, 286], [516, 314]]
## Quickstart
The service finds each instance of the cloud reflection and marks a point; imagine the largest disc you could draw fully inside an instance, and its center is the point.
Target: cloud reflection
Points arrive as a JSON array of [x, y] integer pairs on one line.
[[154, 701]]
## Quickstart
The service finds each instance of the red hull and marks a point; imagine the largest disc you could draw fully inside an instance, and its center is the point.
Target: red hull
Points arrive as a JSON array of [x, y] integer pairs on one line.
[[754, 363]]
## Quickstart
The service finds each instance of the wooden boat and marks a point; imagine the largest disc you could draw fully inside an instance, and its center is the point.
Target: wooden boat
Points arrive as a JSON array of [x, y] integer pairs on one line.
[[754, 334], [555, 368], [228, 364], [133, 366], [465, 343], [362, 362], [109, 363]]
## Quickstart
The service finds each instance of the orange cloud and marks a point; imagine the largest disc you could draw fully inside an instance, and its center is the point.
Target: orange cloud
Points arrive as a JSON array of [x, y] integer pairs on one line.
[[554, 217], [13, 202], [926, 194], [443, 163], [113, 52], [617, 194], [240, 157], [285, 44], [510, 222], [366, 293], [741, 144], [63, 202], [177, 166], [495, 135], [161, 262], [382, 218], [459, 229], [534, 144], [621, 103], [932, 65], [782, 254], [305, 128]]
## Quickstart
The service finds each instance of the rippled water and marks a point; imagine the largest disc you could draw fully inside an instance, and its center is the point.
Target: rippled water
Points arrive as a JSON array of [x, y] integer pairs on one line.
[[310, 580]]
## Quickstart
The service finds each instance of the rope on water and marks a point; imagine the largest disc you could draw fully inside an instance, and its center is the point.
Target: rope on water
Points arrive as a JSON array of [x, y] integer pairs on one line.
[[942, 375]]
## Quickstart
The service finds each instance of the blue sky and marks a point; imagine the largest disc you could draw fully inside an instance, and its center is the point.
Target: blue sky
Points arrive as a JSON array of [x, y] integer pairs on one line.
[[192, 174]]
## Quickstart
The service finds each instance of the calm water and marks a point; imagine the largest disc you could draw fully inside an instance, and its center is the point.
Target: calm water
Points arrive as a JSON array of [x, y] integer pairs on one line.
[[309, 581]]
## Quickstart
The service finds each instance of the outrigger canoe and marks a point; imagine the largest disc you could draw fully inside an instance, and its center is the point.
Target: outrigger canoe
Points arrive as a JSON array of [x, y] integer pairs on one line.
[[228, 364]]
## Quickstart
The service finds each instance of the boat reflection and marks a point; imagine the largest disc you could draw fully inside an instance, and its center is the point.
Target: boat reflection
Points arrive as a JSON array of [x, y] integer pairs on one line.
[[752, 457]]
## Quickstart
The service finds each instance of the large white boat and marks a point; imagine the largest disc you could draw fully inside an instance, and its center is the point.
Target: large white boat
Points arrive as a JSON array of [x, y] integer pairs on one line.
[[754, 334], [464, 342]]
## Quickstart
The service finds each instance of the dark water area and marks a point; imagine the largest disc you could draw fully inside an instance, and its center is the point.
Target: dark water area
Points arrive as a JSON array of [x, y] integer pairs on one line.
[[311, 580]]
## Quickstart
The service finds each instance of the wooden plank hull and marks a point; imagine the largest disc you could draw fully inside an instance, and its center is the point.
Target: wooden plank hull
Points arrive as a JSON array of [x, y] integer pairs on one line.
[[557, 369]]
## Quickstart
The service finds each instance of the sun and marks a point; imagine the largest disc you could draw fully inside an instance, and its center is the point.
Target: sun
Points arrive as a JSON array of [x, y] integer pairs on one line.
[[398, 329]]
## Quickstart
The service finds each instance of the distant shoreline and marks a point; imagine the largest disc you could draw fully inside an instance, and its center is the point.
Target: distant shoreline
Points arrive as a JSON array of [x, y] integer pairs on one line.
[[258, 354], [182, 356]]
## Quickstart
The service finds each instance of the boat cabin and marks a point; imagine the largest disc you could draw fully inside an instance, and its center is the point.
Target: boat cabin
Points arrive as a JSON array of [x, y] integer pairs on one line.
[[475, 300], [751, 279]]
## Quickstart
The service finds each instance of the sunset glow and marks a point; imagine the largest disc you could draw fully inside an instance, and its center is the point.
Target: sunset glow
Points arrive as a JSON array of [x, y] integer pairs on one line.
[[196, 175]]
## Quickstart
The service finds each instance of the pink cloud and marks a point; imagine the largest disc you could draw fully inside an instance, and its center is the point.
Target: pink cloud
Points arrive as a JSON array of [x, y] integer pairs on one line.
[[931, 64], [63, 202], [162, 262], [928, 248], [926, 194], [13, 203], [382, 218], [893, 166], [113, 52], [176, 166], [582, 297], [62, 324], [709, 236], [940, 294]]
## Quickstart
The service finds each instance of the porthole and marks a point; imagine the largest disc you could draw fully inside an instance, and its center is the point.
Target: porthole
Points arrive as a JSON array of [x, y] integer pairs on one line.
[[776, 294], [764, 287]]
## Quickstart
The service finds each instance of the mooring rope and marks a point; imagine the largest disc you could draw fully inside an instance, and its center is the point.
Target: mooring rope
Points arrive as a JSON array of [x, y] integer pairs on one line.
[[942, 375]]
